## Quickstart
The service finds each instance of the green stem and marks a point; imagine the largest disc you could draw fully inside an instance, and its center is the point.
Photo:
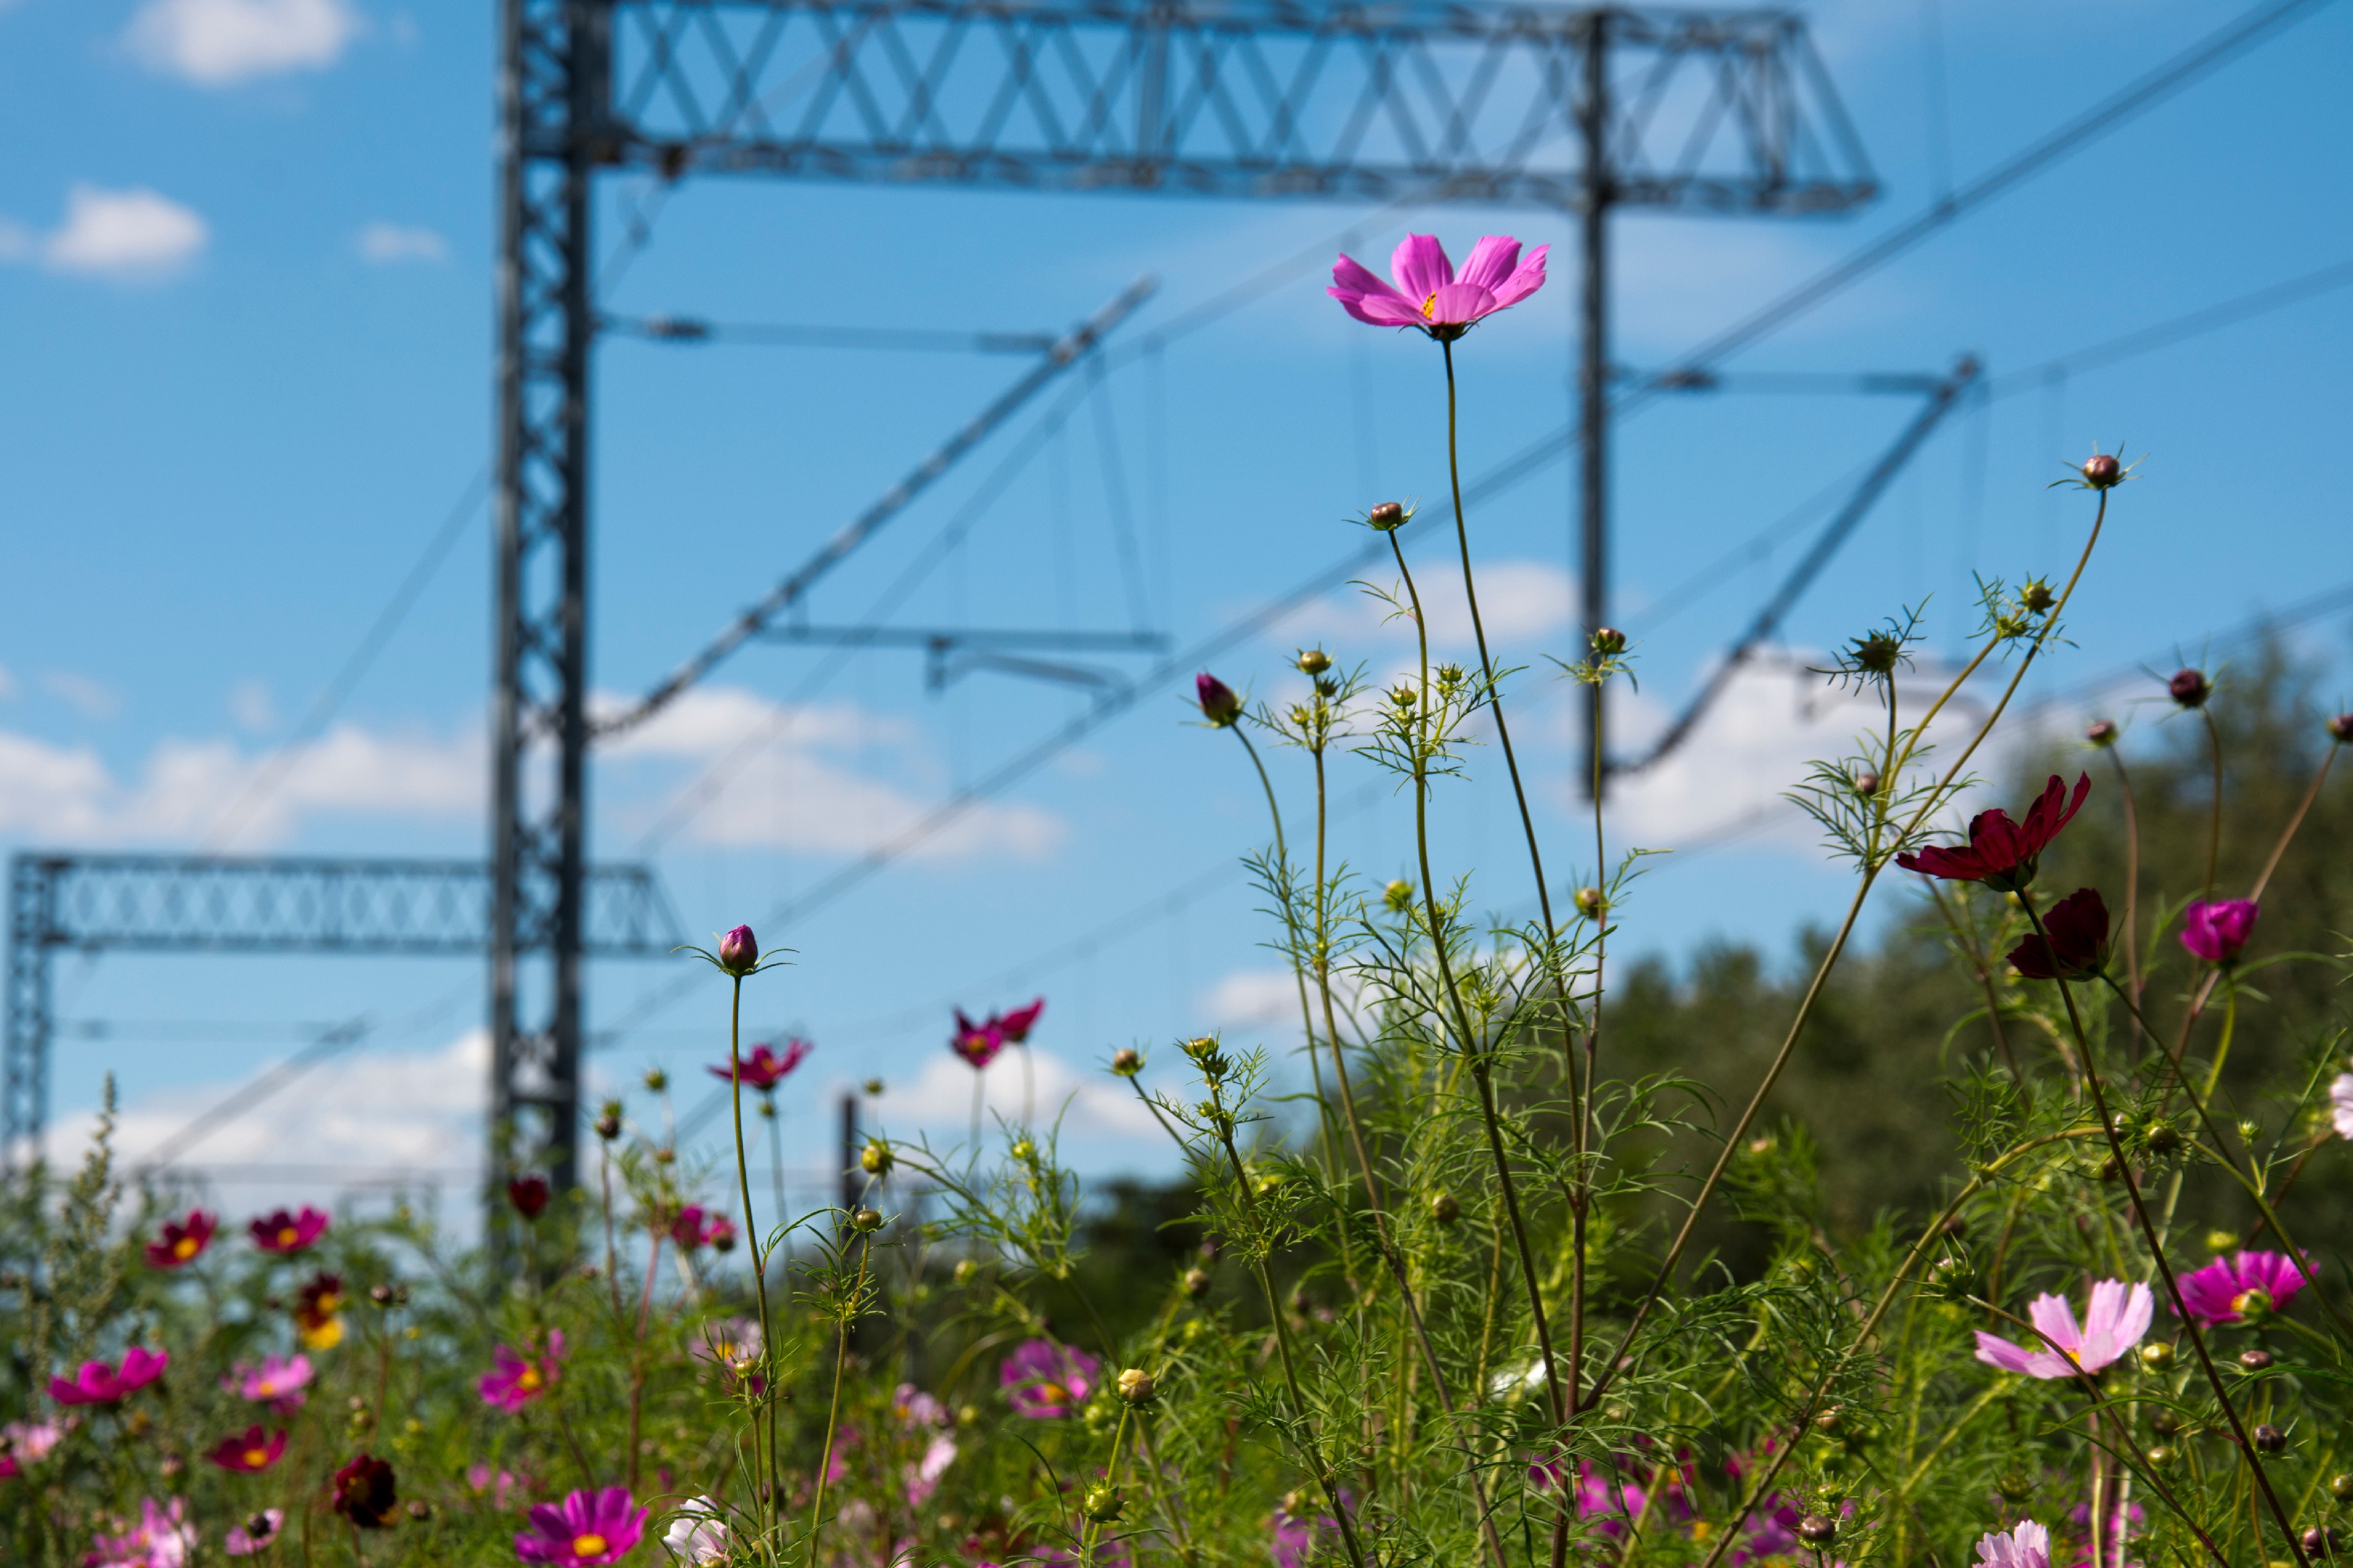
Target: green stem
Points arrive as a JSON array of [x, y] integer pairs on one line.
[[833, 1414], [759, 1261]]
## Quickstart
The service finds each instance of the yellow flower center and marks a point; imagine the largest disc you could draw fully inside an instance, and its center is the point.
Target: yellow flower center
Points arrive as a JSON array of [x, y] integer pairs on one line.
[[589, 1544], [1429, 306], [287, 1235], [1053, 1393], [185, 1248], [326, 1335], [530, 1380], [256, 1459], [266, 1389]]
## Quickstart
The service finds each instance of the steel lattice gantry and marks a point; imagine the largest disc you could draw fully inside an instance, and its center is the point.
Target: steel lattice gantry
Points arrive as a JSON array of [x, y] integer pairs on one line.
[[1576, 108], [190, 904]]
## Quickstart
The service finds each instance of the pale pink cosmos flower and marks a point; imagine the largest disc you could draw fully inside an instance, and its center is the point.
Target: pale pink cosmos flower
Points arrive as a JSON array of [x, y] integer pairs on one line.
[[24, 1443], [697, 1533], [2340, 1104], [923, 1476], [280, 1381], [256, 1534], [1430, 295], [161, 1539], [2025, 1545], [2116, 1319]]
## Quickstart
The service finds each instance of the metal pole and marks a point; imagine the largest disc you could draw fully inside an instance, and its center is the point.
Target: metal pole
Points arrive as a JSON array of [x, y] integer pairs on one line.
[[851, 1187], [31, 892], [506, 693], [1593, 377]]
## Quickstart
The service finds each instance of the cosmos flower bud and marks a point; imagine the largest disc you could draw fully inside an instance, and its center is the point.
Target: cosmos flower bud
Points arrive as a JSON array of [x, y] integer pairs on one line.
[[2222, 1241], [2190, 688], [2340, 729], [967, 1271], [1817, 1531], [1866, 784], [1876, 654], [2102, 471], [2036, 597], [1024, 1150], [1444, 1209], [865, 1220], [1387, 516], [739, 951], [1127, 1062], [609, 1121], [1609, 641], [872, 1086], [1135, 1386], [2157, 1356], [2101, 732], [875, 1158], [1196, 1282], [529, 1195], [1590, 903], [2321, 1541], [2268, 1438], [1219, 704], [2341, 1488], [1314, 662], [656, 1080], [420, 1509], [2015, 1486], [1104, 1504], [2255, 1361], [1397, 895], [2159, 1457]]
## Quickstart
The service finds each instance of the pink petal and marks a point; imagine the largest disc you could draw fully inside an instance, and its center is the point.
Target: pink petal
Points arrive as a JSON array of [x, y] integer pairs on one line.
[[1458, 304], [1384, 309], [1490, 262], [1421, 266], [2056, 1320], [1524, 280], [1995, 1352]]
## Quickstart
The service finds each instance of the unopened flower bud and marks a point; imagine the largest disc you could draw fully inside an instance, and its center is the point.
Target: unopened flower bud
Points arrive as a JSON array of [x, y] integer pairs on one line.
[[1590, 903], [1386, 516], [739, 951], [1828, 1420], [1220, 705], [1104, 1504], [2101, 732], [967, 1271], [2341, 1488], [2159, 1457], [2250, 1129], [1127, 1062], [1397, 895], [1023, 1150], [873, 1086], [2164, 1422], [665, 1156], [2268, 1438], [2157, 1356], [2036, 597], [2102, 471], [1313, 660], [2222, 1241], [2340, 729], [1877, 653], [2321, 1541], [420, 1509], [1135, 1386], [866, 1221], [609, 1123], [875, 1158], [173, 1467], [2255, 1361], [1444, 1209], [2190, 688], [2253, 1305], [2162, 1137], [1609, 641], [1196, 1282], [1866, 784], [1817, 1531]]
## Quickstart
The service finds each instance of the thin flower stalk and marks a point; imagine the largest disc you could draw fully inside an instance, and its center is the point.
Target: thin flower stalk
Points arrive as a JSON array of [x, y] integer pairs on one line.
[[771, 1467], [833, 1411]]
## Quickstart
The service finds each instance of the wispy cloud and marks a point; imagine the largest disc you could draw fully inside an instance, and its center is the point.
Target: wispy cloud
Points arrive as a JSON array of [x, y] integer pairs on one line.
[[90, 698], [134, 236], [389, 244], [222, 43]]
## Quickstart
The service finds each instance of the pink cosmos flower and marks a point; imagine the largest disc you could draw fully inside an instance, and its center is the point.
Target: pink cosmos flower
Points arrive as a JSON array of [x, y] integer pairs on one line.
[[514, 1380], [1016, 1025], [697, 1534], [280, 1381], [285, 1233], [1045, 1381], [255, 1534], [479, 1477], [2117, 1317], [98, 1384], [1430, 295], [2025, 1545], [2220, 1292], [587, 1529], [183, 1240], [696, 1226], [2217, 929], [977, 1044], [2002, 854], [766, 1068], [916, 1408], [923, 1477], [161, 1539], [733, 1346], [2340, 1104], [24, 1443]]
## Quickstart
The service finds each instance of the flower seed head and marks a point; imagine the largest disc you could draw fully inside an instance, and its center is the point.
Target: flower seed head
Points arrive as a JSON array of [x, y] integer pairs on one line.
[[2190, 688], [2255, 1361], [2268, 1438], [2340, 729], [1127, 1062], [2101, 732], [1220, 705], [1135, 1386], [1196, 1282], [739, 951], [1388, 516], [1609, 641], [865, 1220], [875, 1158], [1313, 660], [1444, 1209], [2103, 471]]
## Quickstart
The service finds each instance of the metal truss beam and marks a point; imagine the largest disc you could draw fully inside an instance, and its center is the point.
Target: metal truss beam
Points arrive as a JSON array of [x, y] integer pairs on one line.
[[191, 904], [1724, 110]]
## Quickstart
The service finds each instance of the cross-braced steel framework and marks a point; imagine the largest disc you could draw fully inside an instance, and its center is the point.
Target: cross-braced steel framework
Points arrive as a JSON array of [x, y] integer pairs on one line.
[[210, 904], [1578, 109]]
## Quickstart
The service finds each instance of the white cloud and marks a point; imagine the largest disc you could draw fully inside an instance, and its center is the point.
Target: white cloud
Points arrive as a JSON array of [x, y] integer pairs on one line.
[[220, 43], [92, 699], [59, 792], [250, 704], [387, 243], [130, 236], [834, 779]]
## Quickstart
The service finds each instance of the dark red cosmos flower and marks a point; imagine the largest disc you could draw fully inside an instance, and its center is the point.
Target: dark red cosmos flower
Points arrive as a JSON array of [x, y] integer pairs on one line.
[[2002, 854], [183, 1240], [1016, 1025], [529, 1195], [2077, 946], [255, 1451], [363, 1492], [766, 1068], [282, 1231]]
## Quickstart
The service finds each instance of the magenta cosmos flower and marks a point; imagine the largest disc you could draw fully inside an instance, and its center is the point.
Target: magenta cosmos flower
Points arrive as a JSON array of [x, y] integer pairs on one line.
[[98, 1384], [766, 1068], [1016, 1024], [279, 1381], [588, 1527], [183, 1240], [2225, 1290], [977, 1044], [1430, 295], [1045, 1381], [739, 951], [2217, 929], [514, 1379], [282, 1231], [252, 1451], [2025, 1545], [2115, 1323], [2002, 854]]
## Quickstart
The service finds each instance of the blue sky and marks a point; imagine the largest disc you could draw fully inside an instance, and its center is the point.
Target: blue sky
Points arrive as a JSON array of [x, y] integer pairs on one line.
[[245, 290]]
